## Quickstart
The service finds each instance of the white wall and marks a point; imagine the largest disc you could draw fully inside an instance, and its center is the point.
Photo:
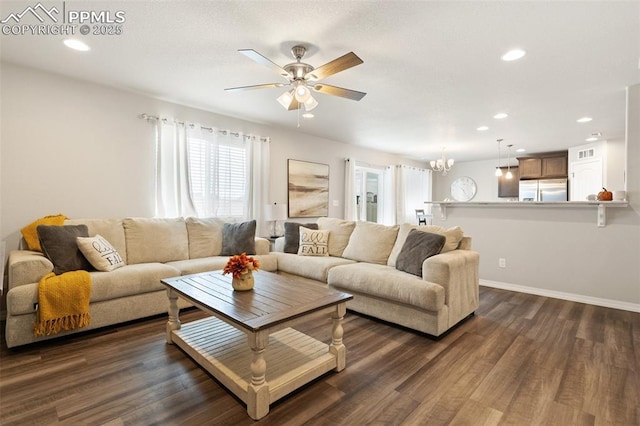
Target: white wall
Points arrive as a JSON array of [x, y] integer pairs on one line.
[[558, 250], [80, 149]]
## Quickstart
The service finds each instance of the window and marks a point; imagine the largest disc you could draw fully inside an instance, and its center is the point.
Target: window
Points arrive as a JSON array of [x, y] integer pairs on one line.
[[218, 175], [206, 172]]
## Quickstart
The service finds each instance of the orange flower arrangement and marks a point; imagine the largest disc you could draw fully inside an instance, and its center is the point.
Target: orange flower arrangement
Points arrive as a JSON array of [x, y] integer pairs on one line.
[[240, 264]]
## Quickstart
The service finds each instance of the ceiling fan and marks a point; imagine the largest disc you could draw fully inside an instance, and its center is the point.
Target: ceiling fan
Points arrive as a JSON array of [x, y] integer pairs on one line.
[[303, 78]]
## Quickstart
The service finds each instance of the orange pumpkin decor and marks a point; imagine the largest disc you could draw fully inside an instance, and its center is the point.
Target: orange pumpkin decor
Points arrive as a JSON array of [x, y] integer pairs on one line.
[[605, 195]]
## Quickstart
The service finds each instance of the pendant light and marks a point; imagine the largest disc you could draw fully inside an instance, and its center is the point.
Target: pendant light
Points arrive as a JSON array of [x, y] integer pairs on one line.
[[509, 175], [498, 169]]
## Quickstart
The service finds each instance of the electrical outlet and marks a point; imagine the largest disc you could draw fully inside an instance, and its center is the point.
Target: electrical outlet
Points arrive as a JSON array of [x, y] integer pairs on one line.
[[502, 262]]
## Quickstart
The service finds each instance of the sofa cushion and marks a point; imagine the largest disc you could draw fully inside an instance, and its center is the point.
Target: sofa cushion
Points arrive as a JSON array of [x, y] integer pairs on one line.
[[417, 247], [205, 236], [371, 242], [268, 262], [314, 267], [126, 281], [59, 245], [156, 240], [453, 237], [385, 282], [340, 231], [30, 232], [111, 229], [313, 242], [130, 280], [292, 235], [100, 253], [238, 238]]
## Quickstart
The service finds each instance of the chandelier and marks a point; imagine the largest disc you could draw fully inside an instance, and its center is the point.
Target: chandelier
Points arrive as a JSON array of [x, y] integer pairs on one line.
[[442, 164]]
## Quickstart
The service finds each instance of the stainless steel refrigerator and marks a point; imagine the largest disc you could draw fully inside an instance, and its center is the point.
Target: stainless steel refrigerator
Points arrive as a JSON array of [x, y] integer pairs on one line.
[[543, 190]]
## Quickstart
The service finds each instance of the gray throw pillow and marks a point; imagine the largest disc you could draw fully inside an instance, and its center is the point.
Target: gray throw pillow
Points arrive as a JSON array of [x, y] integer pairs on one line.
[[238, 238], [59, 245], [292, 235], [417, 247]]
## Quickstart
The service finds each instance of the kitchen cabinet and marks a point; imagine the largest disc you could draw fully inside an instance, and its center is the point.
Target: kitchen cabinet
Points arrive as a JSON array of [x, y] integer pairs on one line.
[[508, 188], [542, 166], [530, 168], [554, 166]]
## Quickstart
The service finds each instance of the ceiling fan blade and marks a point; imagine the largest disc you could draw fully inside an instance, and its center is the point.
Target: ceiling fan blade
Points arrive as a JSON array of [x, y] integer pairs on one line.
[[340, 64], [257, 86], [338, 91], [252, 54]]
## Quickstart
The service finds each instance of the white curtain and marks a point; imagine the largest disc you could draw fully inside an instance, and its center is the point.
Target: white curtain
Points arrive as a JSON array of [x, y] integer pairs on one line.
[[258, 198], [350, 206], [413, 188], [173, 197], [388, 201]]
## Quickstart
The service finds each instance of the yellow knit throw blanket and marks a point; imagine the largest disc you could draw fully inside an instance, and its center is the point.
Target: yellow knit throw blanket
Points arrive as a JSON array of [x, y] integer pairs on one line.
[[63, 302]]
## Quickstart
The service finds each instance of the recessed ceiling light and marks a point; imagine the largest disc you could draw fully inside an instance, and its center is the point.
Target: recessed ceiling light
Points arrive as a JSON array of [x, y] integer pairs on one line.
[[76, 45], [482, 128], [591, 139], [513, 55], [307, 115], [584, 119], [520, 150], [501, 115]]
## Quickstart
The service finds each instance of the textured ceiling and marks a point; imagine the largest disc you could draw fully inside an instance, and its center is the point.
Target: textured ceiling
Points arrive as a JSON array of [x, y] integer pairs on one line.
[[432, 70]]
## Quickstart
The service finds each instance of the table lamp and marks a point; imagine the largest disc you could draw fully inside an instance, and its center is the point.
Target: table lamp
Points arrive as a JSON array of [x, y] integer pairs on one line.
[[274, 213]]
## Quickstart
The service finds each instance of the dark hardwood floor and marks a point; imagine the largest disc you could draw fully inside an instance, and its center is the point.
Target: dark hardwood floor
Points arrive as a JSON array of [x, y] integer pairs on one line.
[[521, 360]]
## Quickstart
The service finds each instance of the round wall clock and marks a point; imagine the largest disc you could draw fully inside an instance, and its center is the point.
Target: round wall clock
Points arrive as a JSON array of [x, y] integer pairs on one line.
[[463, 188]]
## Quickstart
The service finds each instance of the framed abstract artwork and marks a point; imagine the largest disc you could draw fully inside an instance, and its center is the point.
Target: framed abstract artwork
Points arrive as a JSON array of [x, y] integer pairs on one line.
[[308, 193]]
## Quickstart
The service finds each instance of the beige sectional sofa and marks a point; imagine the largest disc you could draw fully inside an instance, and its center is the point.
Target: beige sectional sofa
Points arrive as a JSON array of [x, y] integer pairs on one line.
[[362, 259], [152, 248], [362, 262]]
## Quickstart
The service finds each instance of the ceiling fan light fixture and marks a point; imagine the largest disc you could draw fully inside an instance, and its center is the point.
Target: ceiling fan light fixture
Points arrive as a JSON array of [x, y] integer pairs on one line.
[[302, 92], [310, 104], [286, 98]]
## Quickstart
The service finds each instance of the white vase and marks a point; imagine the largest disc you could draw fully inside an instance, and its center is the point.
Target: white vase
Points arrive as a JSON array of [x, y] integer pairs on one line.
[[244, 282]]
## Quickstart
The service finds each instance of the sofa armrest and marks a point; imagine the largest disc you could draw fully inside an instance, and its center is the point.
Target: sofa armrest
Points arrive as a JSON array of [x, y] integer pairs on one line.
[[458, 272], [26, 267], [262, 245]]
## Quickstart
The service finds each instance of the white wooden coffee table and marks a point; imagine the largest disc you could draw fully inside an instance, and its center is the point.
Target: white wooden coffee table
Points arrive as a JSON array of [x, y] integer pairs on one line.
[[277, 359]]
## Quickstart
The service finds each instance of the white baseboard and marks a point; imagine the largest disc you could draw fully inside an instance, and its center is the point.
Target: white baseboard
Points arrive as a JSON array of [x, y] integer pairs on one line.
[[607, 303]]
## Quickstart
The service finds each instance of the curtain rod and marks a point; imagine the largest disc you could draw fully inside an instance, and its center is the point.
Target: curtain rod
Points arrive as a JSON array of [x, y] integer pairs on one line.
[[145, 116]]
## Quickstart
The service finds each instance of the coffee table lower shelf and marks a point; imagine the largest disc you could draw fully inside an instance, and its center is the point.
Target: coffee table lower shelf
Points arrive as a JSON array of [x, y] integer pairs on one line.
[[292, 358]]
